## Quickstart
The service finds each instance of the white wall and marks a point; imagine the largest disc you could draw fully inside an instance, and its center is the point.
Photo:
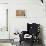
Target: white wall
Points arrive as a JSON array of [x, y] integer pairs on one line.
[[35, 12], [3, 1]]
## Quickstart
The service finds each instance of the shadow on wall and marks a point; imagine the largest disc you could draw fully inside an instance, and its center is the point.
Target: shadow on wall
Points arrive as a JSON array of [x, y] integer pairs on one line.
[[41, 34]]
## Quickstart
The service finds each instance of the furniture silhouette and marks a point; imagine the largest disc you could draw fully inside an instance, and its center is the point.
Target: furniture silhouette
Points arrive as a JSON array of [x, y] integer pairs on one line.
[[33, 30]]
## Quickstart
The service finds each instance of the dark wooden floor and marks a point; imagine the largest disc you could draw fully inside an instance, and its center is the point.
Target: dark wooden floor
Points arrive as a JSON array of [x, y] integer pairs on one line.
[[29, 44]]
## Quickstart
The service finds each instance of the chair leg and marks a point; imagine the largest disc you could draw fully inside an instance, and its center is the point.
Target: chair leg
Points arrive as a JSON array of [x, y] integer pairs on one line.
[[20, 42]]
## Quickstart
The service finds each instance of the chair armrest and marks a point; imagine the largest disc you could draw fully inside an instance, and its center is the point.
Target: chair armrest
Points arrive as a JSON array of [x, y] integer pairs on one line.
[[22, 35], [24, 32]]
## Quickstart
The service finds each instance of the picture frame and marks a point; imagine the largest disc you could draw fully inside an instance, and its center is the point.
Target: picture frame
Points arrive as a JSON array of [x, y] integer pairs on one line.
[[20, 13]]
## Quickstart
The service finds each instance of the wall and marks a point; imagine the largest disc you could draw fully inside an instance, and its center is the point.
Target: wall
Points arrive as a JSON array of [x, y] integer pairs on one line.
[[35, 12], [3, 1]]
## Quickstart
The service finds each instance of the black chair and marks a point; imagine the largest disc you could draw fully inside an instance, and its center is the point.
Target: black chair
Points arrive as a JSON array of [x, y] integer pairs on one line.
[[32, 29]]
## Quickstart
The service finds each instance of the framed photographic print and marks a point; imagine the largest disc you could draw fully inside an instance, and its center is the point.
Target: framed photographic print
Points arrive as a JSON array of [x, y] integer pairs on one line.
[[20, 12]]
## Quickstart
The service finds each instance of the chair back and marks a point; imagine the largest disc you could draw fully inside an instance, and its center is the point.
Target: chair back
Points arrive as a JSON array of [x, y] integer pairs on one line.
[[33, 28]]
